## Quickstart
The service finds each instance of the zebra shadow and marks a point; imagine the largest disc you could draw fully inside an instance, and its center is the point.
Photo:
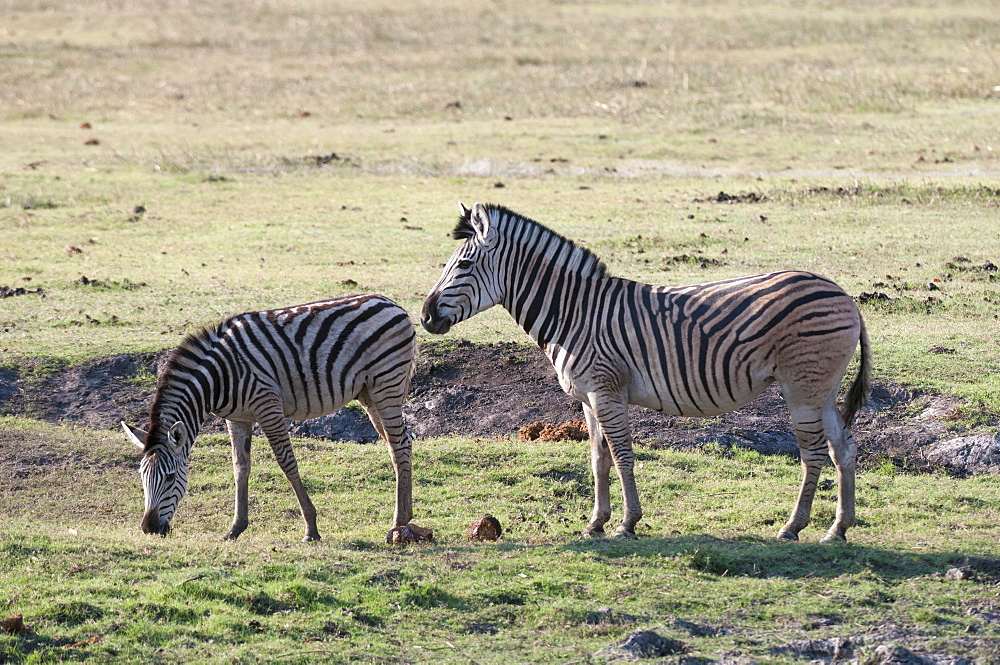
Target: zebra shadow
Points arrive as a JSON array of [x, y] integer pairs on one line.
[[755, 557]]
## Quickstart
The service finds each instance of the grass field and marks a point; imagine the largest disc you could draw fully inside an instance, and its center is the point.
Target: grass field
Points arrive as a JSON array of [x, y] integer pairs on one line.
[[163, 166], [705, 572]]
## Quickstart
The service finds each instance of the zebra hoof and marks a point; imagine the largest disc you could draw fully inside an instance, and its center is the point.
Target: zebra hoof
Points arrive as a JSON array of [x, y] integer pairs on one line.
[[833, 538], [621, 533], [596, 532], [787, 536], [235, 532], [311, 539]]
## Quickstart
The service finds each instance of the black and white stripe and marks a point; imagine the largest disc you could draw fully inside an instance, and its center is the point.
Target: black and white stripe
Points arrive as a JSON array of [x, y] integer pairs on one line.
[[697, 350], [263, 367]]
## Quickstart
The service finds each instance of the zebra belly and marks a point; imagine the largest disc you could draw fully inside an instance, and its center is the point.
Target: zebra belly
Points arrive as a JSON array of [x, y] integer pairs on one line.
[[680, 402], [298, 402], [302, 405]]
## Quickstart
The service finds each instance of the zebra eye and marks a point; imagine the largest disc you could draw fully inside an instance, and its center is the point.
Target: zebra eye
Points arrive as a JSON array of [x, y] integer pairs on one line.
[[465, 264], [170, 477]]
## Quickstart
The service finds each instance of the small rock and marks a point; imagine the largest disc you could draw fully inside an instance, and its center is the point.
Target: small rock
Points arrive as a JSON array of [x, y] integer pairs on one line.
[[960, 573], [649, 644], [976, 453], [602, 615], [837, 648], [885, 654], [605, 616]]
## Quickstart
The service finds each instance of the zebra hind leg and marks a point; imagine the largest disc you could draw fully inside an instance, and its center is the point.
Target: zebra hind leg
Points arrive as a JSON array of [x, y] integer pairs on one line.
[[276, 431], [240, 435], [843, 452], [600, 466], [385, 409], [809, 432]]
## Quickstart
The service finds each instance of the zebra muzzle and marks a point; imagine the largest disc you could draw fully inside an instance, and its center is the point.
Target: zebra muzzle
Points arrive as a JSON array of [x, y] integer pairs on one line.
[[435, 327], [430, 317], [151, 523]]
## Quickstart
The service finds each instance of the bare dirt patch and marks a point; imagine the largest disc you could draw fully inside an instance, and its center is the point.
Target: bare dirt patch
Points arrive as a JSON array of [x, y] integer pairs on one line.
[[493, 390]]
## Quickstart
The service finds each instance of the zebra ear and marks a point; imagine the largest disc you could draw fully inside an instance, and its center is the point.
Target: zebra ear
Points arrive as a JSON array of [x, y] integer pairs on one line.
[[480, 220], [177, 436], [463, 211], [135, 435]]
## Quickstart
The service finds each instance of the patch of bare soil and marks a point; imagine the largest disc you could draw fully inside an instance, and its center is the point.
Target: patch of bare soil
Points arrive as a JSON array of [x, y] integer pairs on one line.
[[492, 390], [741, 197]]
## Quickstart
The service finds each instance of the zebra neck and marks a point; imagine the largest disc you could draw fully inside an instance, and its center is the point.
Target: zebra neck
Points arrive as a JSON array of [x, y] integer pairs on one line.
[[545, 301], [181, 401]]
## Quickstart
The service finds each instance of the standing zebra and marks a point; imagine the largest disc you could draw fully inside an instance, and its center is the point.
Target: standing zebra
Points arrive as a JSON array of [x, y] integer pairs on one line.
[[295, 362], [696, 350]]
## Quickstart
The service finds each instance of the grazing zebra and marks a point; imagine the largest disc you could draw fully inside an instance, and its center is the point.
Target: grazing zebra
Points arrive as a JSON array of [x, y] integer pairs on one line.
[[295, 362], [697, 350]]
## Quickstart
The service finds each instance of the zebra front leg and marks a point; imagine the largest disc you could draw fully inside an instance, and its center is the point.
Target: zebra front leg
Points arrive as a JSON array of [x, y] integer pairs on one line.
[[276, 432], [612, 415], [400, 450], [386, 414], [240, 435], [600, 466]]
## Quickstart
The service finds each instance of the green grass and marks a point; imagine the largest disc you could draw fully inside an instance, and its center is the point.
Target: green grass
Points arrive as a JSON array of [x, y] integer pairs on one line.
[[257, 156], [705, 570], [302, 238], [197, 161]]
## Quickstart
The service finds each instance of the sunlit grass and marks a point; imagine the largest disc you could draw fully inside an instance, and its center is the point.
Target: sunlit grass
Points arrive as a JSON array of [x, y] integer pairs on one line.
[[76, 565], [116, 280], [233, 156]]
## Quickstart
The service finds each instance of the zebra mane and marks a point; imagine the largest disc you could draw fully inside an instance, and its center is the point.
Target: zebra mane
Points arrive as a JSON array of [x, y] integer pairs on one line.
[[193, 343], [510, 224], [463, 230]]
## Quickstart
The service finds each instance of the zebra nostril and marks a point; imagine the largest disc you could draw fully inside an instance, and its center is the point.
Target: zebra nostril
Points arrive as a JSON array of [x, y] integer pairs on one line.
[[430, 317], [151, 522], [429, 307], [434, 326]]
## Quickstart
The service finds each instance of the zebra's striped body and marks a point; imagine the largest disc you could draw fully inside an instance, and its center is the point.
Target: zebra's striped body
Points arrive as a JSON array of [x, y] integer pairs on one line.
[[295, 362], [695, 350]]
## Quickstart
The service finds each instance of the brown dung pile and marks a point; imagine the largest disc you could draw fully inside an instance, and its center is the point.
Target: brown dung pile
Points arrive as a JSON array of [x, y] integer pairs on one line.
[[486, 527], [574, 430]]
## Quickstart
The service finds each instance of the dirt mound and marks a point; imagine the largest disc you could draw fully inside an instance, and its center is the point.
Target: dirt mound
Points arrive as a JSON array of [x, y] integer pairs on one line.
[[742, 197], [96, 394], [493, 390]]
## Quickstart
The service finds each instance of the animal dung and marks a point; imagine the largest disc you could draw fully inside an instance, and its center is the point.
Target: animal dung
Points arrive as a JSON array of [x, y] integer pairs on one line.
[[410, 533], [574, 430], [486, 527], [13, 625]]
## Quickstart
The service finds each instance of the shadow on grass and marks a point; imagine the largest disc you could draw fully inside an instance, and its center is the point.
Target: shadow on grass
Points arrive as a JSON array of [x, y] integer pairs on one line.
[[759, 557], [764, 558]]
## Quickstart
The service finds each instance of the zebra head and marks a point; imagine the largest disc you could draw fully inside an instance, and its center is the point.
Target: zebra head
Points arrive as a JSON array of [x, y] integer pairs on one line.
[[163, 471], [469, 283]]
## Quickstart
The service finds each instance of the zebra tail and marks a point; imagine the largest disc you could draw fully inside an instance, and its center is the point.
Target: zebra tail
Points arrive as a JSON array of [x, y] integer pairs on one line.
[[413, 368], [857, 395]]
